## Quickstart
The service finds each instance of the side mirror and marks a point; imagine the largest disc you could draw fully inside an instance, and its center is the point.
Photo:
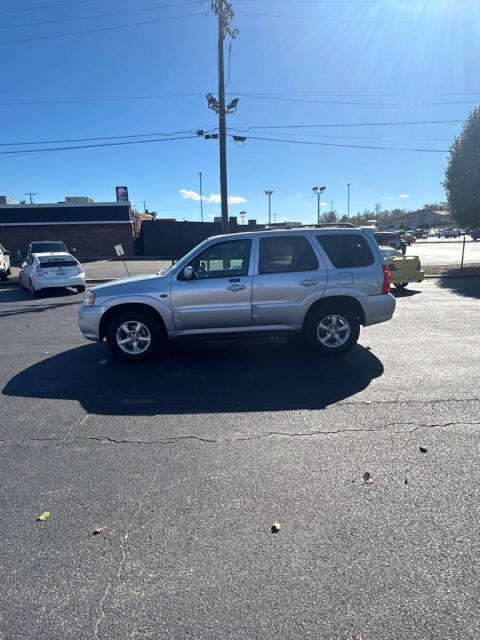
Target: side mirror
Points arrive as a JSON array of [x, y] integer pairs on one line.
[[188, 273]]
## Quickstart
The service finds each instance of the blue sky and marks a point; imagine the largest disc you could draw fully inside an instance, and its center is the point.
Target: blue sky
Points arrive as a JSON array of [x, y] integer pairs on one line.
[[323, 63]]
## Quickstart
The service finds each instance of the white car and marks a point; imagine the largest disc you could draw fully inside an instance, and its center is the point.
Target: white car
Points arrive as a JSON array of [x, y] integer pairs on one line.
[[51, 270], [4, 263]]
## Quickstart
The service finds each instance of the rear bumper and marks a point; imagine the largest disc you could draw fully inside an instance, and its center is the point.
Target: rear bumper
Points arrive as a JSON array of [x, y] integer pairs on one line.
[[54, 283], [379, 308], [397, 277], [89, 322]]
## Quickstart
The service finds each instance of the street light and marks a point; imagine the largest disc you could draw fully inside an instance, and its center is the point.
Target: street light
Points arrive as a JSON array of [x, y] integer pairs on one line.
[[269, 194], [318, 191]]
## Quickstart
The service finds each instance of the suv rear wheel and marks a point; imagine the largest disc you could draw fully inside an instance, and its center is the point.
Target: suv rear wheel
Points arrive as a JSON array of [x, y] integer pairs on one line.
[[332, 330], [134, 335]]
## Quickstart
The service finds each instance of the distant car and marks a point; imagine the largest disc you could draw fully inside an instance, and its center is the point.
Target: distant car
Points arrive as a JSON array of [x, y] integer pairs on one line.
[[51, 270], [408, 237], [391, 239], [475, 233], [403, 269], [4, 263]]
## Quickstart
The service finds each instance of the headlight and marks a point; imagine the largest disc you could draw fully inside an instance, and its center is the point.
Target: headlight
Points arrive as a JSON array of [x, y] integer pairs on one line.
[[89, 299]]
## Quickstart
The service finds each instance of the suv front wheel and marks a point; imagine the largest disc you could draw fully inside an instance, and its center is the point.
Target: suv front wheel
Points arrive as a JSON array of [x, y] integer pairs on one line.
[[134, 335], [332, 330]]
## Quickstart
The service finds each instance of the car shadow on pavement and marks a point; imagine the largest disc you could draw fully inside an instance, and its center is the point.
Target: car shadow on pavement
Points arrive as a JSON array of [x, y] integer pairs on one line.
[[404, 293], [45, 302], [469, 287], [199, 377]]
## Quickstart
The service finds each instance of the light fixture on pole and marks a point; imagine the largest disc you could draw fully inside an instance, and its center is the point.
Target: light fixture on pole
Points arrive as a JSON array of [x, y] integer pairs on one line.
[[318, 191], [268, 192]]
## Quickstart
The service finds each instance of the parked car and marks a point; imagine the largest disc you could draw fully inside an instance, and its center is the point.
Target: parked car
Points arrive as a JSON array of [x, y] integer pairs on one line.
[[408, 237], [475, 234], [322, 283], [51, 270], [391, 239], [403, 269], [47, 246], [4, 263]]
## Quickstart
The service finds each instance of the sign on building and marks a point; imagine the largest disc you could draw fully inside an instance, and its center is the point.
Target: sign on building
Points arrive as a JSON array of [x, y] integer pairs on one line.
[[122, 194]]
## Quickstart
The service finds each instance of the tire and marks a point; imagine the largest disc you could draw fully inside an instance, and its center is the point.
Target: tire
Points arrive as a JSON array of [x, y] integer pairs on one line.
[[80, 289], [4, 276], [9, 273], [317, 326], [400, 285], [127, 324]]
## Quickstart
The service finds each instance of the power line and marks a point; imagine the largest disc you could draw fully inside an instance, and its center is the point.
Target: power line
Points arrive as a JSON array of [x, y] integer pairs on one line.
[[354, 21], [349, 146], [361, 104], [344, 95], [107, 99], [348, 124], [92, 146], [99, 15], [45, 6], [133, 135], [120, 26]]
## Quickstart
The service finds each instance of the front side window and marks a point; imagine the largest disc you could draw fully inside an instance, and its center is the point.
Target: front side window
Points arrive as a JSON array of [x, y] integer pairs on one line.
[[346, 250], [223, 260], [286, 254]]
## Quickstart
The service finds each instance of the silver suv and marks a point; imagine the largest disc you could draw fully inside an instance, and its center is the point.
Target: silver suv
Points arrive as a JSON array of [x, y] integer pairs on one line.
[[321, 282]]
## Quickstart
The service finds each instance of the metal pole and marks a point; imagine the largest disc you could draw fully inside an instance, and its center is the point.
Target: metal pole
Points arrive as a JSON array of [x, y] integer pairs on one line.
[[222, 129], [201, 197], [348, 200], [318, 207], [269, 207], [463, 252]]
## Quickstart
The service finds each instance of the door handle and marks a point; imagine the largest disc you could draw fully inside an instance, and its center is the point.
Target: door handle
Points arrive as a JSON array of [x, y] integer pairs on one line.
[[236, 287], [308, 283]]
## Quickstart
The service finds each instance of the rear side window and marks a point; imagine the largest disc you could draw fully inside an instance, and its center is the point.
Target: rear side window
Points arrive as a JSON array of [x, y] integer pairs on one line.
[[286, 254], [346, 251]]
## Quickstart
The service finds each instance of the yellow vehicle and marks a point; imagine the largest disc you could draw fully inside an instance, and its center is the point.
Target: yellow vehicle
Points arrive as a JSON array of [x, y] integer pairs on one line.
[[403, 269], [409, 238]]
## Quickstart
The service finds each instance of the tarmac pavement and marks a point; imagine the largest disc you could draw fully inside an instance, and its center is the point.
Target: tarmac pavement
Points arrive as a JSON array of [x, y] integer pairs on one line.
[[187, 461]]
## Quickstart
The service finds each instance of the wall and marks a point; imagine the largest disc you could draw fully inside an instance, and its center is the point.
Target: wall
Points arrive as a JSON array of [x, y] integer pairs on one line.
[[90, 240], [166, 239]]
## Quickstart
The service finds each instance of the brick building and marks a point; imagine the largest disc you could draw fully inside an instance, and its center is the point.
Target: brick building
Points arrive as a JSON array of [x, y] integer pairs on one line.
[[92, 228]]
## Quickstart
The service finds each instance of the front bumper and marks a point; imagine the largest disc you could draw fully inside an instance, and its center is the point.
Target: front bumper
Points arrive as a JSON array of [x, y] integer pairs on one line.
[[379, 308], [55, 283], [89, 322]]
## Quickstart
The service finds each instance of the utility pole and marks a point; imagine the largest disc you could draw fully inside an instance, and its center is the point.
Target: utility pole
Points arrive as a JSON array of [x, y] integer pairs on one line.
[[318, 191], [30, 194], [201, 196], [268, 192], [223, 9], [348, 200]]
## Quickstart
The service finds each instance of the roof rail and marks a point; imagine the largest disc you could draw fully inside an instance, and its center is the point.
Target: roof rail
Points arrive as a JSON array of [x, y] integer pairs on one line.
[[341, 225]]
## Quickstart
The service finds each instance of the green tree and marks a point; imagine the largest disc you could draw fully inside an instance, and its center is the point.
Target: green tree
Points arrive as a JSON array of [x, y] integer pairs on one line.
[[462, 177]]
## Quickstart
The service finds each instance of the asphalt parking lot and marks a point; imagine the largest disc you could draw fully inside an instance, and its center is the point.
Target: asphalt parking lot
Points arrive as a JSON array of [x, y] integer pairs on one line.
[[184, 463]]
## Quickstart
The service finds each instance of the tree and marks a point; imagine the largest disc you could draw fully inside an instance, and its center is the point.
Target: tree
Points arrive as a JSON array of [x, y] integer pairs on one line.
[[462, 177], [331, 216], [378, 208]]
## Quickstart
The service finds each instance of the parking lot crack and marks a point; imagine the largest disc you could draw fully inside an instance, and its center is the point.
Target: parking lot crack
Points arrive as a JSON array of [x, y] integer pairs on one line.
[[123, 556]]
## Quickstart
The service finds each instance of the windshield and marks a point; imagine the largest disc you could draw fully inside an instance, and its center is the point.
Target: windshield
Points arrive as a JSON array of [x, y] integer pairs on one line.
[[186, 258], [47, 247]]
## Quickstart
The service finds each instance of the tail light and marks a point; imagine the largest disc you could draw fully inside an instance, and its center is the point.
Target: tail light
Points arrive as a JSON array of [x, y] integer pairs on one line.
[[387, 280], [419, 266], [38, 271]]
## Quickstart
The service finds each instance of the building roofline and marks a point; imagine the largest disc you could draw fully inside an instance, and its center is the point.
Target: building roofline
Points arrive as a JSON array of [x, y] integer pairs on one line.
[[43, 205]]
